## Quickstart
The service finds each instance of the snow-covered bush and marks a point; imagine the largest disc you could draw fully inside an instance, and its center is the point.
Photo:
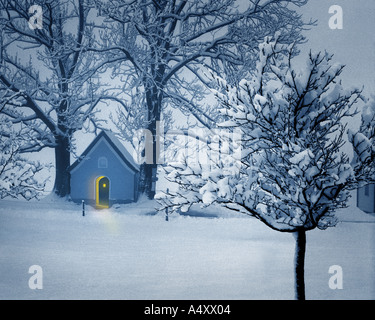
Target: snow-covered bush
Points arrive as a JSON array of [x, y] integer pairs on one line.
[[292, 174]]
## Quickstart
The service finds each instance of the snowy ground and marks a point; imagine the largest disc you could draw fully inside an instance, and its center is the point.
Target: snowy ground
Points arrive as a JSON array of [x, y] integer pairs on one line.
[[128, 253]]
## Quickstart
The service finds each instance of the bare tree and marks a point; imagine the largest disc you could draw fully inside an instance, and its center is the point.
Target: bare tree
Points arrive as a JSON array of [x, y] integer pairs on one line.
[[285, 165], [163, 46], [46, 64]]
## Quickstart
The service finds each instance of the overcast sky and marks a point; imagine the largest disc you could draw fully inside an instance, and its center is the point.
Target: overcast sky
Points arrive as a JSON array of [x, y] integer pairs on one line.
[[354, 45]]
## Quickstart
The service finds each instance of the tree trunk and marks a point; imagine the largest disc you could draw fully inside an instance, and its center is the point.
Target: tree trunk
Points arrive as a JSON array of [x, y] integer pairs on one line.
[[147, 178], [148, 170], [299, 264], [62, 163]]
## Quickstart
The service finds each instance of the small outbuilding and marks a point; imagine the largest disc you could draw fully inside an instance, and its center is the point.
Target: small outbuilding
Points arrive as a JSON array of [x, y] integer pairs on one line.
[[366, 198], [104, 174]]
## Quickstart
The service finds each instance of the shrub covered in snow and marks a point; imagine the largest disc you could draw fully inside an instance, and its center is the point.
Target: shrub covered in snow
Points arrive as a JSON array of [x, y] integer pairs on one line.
[[292, 174]]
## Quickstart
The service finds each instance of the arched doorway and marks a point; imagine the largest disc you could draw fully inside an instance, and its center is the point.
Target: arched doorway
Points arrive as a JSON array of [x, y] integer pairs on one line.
[[102, 192]]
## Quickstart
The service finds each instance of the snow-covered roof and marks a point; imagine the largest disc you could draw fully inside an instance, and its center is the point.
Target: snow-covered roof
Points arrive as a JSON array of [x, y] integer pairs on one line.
[[115, 144]]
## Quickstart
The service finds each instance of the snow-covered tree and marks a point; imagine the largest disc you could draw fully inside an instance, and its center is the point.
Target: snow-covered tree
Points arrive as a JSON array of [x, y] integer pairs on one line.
[[18, 175], [285, 165], [162, 47], [45, 63]]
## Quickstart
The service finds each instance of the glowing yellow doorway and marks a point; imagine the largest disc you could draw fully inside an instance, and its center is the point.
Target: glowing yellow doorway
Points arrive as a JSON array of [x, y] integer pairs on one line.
[[102, 192]]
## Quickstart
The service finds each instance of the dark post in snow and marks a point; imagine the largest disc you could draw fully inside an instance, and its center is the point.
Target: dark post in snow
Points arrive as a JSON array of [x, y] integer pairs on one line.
[[83, 208]]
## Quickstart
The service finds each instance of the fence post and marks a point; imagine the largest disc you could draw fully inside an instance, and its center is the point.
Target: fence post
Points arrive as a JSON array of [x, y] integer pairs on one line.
[[83, 208]]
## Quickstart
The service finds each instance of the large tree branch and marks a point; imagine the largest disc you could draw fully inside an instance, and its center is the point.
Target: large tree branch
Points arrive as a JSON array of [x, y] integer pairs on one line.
[[30, 103]]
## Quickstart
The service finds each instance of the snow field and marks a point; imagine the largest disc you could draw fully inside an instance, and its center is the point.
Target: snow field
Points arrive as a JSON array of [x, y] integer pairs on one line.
[[126, 253]]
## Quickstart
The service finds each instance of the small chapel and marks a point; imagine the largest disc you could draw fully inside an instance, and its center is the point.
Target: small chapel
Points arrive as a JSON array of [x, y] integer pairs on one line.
[[104, 174]]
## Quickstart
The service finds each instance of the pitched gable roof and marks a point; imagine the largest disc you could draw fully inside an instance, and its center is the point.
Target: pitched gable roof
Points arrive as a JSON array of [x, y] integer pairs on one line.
[[119, 148]]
